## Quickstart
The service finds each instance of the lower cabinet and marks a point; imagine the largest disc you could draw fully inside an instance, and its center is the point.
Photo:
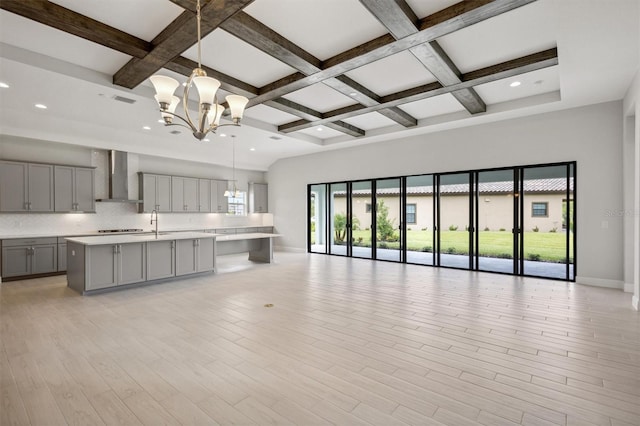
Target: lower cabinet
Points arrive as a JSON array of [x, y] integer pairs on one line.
[[29, 257], [160, 259], [117, 264], [194, 256]]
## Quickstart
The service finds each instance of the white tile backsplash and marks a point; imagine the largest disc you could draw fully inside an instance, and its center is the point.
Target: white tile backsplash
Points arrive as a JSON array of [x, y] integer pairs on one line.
[[120, 216]]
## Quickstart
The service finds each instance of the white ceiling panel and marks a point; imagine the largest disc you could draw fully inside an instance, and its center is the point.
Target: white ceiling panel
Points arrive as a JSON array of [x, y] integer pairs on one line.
[[437, 105], [384, 76], [320, 97], [528, 29], [323, 28], [370, 121], [35, 37], [230, 55], [140, 18], [533, 83], [269, 115], [321, 132]]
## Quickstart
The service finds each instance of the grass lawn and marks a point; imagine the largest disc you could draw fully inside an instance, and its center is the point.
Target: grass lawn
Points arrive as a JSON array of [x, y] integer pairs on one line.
[[542, 246]]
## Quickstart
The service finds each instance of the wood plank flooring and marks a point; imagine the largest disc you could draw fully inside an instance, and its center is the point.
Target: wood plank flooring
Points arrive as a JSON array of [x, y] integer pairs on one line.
[[348, 341]]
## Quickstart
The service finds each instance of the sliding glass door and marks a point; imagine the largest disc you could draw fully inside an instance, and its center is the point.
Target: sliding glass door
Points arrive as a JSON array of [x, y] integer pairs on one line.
[[388, 219], [317, 224], [454, 209], [419, 215], [494, 217], [362, 219], [338, 214]]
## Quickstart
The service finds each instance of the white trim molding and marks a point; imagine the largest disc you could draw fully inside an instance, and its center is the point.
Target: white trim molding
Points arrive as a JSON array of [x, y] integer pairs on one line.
[[601, 282]]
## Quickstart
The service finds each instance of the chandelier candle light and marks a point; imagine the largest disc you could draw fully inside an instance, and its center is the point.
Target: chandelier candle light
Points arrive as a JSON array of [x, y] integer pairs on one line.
[[209, 111]]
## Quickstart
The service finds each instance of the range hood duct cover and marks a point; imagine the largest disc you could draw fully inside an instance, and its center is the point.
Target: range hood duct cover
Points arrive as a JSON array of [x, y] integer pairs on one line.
[[118, 171]]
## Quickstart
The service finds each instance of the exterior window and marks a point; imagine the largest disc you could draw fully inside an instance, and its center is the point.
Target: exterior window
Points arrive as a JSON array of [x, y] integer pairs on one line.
[[411, 213], [367, 208], [539, 209], [237, 205]]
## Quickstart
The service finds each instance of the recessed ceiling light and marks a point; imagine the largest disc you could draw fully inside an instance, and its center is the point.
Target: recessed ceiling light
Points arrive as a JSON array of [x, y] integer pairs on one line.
[[252, 149], [4, 85], [319, 129], [538, 82], [146, 128], [41, 106], [353, 94], [161, 121], [206, 140], [223, 135], [515, 84]]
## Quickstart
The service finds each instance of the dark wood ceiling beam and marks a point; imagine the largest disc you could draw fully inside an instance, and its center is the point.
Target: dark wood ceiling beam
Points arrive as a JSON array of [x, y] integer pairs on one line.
[[177, 37], [309, 115], [496, 72], [456, 17], [401, 21], [258, 35], [71, 22]]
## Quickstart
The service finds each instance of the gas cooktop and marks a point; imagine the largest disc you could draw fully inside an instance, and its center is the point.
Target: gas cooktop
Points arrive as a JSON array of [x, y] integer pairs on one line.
[[102, 231]]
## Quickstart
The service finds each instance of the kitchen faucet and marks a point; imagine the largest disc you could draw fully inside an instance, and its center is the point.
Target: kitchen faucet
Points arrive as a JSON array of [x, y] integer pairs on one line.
[[156, 220]]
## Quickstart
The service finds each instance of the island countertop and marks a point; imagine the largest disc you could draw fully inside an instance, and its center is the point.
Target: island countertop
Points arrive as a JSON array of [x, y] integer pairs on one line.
[[136, 238]]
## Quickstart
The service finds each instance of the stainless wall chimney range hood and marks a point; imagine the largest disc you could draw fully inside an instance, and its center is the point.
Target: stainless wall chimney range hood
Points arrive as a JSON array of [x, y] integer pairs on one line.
[[118, 171]]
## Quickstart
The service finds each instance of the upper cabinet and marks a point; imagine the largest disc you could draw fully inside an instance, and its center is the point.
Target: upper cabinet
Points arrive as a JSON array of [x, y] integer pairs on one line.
[[74, 189], [26, 187], [204, 195], [219, 203], [155, 192], [184, 194], [258, 198]]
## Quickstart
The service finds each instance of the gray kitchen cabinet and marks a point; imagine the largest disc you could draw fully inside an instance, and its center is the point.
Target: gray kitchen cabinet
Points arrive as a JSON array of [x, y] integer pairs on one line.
[[62, 257], [155, 192], [160, 259], [26, 187], [195, 255], [204, 195], [258, 196], [74, 189], [116, 264], [184, 194], [219, 203], [29, 256]]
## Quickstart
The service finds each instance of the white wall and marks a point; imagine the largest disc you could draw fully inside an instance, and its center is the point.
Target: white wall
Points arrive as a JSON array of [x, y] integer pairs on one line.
[[590, 135], [117, 215]]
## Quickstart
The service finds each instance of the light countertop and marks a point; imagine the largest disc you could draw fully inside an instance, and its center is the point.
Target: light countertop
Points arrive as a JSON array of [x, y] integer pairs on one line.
[[137, 238]]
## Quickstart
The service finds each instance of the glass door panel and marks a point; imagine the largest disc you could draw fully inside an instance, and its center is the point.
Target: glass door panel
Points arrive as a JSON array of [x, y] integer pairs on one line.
[[544, 241], [495, 242], [453, 231], [318, 218], [419, 219], [388, 219], [361, 219], [338, 211]]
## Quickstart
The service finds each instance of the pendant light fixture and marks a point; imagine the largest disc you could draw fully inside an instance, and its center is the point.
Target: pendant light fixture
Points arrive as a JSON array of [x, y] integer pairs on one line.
[[209, 111], [233, 192]]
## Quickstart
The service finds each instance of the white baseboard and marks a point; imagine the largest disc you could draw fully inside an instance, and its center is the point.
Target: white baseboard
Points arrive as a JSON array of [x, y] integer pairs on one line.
[[600, 282], [628, 287], [634, 302]]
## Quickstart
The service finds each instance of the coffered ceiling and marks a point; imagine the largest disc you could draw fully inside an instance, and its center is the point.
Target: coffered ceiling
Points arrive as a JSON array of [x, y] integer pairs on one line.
[[320, 74]]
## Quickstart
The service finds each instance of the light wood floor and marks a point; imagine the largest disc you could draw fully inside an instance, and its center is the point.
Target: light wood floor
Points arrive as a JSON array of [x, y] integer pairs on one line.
[[347, 341]]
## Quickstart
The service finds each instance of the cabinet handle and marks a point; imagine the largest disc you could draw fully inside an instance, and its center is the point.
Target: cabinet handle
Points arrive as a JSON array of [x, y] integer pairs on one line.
[[26, 206]]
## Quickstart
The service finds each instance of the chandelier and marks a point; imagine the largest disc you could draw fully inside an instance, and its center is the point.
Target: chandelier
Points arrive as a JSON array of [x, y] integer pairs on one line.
[[209, 111], [233, 192]]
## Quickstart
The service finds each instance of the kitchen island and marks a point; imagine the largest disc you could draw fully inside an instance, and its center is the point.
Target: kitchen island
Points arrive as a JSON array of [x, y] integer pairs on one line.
[[97, 263]]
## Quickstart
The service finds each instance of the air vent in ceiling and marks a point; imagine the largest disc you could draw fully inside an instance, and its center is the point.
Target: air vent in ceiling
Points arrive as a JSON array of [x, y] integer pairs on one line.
[[175, 132], [123, 99], [275, 138]]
